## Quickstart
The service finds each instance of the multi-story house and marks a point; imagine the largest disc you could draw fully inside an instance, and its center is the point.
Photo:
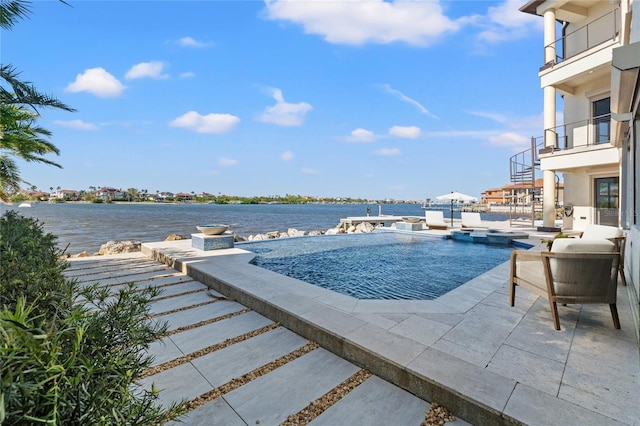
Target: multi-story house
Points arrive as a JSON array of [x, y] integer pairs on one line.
[[520, 194], [111, 194], [590, 66], [183, 196], [66, 194]]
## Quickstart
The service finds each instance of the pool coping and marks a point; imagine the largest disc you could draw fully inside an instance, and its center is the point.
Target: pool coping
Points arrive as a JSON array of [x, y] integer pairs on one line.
[[356, 331]]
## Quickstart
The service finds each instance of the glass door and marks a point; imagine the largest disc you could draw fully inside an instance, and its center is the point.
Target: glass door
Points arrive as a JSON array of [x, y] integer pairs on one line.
[[606, 201]]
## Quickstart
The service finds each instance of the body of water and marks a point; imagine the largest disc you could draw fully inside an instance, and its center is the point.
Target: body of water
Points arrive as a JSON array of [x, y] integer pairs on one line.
[[86, 226]]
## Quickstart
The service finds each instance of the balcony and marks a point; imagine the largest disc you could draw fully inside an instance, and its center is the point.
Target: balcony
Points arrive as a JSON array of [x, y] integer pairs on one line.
[[582, 55], [580, 144], [595, 33]]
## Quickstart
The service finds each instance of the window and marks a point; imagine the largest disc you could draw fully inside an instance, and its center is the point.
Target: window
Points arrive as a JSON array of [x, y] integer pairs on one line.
[[606, 200], [601, 120]]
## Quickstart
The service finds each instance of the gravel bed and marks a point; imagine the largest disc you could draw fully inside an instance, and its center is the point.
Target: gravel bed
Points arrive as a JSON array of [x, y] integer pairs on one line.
[[157, 299], [184, 308], [437, 415], [320, 405], [242, 380], [184, 359], [207, 322]]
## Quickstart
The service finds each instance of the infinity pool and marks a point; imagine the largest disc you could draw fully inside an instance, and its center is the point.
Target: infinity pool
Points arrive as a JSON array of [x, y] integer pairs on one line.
[[379, 265]]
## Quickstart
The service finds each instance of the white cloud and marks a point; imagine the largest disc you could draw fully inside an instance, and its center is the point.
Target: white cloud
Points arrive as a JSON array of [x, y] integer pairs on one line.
[[286, 156], [147, 69], [361, 135], [210, 123], [308, 171], [506, 22], [510, 139], [227, 162], [283, 113], [373, 21], [495, 116], [387, 152], [409, 132], [191, 42], [188, 74], [529, 122], [76, 124], [96, 81], [408, 100]]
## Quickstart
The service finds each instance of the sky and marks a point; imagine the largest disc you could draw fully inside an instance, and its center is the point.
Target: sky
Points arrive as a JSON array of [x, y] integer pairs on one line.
[[372, 99]]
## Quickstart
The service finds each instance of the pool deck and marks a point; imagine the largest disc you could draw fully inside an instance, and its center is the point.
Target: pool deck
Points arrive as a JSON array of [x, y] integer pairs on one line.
[[468, 350]]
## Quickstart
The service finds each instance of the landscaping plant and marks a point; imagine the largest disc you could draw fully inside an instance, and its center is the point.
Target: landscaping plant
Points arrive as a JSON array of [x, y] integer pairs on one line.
[[69, 354]]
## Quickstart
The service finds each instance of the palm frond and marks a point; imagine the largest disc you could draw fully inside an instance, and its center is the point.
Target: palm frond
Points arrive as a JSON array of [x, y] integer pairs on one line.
[[25, 93], [9, 178], [11, 11]]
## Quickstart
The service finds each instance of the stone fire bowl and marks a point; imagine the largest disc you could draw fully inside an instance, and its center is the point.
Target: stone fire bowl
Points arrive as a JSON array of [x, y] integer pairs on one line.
[[215, 229], [411, 219]]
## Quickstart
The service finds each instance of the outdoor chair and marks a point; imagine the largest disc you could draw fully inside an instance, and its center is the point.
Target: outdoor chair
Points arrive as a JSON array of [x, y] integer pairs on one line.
[[614, 234], [434, 219], [472, 220], [575, 271]]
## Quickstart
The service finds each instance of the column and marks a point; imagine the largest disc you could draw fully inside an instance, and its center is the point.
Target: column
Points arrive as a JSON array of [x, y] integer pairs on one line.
[[550, 135]]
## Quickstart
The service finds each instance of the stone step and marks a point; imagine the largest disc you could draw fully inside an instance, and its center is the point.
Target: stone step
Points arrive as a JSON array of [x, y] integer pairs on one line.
[[269, 397]]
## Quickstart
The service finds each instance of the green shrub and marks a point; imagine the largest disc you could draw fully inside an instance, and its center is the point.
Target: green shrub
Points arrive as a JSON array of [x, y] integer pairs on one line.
[[29, 266], [67, 363]]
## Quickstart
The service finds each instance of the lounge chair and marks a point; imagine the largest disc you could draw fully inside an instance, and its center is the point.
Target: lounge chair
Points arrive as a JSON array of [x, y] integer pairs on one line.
[[472, 220], [434, 219], [574, 271]]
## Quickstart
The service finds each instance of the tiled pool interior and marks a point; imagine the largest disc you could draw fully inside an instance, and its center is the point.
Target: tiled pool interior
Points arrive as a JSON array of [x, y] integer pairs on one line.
[[388, 266]]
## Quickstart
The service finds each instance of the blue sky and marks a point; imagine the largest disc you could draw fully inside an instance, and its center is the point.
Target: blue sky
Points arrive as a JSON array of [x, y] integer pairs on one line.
[[372, 99]]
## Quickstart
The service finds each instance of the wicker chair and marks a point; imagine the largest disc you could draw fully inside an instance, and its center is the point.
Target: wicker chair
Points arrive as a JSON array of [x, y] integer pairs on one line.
[[614, 234], [570, 276]]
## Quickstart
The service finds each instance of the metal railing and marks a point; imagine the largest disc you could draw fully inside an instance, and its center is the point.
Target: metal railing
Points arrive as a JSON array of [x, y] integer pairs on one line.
[[584, 133], [596, 32], [523, 164]]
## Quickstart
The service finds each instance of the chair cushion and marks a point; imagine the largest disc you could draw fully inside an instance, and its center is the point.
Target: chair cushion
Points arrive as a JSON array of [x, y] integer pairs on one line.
[[601, 231], [582, 245]]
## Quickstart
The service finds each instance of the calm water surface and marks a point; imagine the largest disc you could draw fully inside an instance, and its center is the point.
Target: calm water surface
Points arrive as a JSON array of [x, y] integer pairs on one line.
[[380, 265], [88, 226]]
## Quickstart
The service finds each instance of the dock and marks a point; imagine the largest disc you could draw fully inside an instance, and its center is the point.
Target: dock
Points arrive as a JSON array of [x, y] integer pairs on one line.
[[374, 220]]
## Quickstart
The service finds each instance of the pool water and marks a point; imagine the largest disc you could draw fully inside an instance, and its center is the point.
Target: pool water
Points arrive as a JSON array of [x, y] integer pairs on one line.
[[379, 265]]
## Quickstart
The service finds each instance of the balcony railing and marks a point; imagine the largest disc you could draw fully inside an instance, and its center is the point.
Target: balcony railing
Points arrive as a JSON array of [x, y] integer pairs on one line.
[[596, 32], [584, 133]]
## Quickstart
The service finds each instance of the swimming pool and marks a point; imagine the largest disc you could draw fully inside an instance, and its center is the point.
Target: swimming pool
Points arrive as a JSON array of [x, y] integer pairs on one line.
[[379, 265]]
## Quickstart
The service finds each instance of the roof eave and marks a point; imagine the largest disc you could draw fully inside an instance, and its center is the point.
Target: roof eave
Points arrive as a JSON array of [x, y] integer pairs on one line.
[[532, 7]]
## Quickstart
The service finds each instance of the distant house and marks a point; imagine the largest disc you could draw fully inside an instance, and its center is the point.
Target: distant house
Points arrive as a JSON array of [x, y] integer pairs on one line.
[[40, 195], [66, 194], [183, 196], [495, 196], [111, 194], [163, 196], [520, 194]]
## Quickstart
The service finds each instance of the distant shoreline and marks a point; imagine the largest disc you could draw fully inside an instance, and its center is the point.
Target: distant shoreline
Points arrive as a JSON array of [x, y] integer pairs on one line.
[[481, 209]]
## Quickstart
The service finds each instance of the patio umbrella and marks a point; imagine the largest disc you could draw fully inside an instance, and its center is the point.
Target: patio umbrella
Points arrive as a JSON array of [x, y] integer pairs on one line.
[[456, 197]]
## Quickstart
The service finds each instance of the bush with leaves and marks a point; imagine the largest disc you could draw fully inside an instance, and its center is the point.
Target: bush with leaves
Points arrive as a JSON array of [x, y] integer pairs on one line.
[[70, 354]]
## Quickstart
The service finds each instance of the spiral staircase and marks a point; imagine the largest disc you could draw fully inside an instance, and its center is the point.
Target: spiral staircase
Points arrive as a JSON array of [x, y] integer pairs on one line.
[[523, 199]]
